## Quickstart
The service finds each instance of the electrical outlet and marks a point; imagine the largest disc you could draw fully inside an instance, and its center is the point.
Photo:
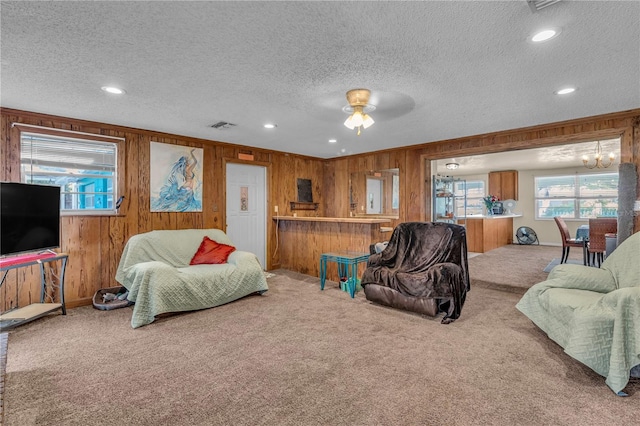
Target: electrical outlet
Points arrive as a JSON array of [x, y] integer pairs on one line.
[[275, 209], [636, 206]]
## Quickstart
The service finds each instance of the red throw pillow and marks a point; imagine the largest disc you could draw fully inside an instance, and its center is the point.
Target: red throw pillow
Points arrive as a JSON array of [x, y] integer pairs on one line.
[[211, 252]]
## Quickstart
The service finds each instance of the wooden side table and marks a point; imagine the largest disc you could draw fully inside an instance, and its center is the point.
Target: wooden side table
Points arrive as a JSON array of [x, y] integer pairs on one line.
[[347, 267]]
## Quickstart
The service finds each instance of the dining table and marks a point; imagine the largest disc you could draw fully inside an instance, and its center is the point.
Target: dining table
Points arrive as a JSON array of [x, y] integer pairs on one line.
[[582, 234]]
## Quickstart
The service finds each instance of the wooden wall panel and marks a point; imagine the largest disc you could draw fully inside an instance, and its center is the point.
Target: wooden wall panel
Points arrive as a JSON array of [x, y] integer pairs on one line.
[[95, 244], [414, 161]]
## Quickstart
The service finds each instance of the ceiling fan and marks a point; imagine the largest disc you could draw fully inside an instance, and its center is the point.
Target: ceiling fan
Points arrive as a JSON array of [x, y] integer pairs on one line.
[[359, 108]]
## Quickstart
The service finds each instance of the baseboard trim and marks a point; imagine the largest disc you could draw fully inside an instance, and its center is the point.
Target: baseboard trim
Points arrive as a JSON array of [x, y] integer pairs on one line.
[[79, 302]]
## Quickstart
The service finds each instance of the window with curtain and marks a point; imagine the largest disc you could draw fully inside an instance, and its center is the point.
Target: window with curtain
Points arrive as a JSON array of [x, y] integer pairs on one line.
[[85, 170], [579, 196]]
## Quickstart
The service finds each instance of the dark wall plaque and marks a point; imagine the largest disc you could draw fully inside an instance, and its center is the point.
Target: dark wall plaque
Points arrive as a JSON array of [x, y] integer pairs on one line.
[[304, 191]]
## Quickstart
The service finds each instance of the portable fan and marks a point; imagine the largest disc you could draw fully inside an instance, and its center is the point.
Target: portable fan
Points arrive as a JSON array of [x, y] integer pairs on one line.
[[509, 206], [526, 235]]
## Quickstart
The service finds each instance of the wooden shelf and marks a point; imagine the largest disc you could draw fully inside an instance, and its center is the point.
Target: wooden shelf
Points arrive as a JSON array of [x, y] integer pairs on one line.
[[298, 205], [31, 312]]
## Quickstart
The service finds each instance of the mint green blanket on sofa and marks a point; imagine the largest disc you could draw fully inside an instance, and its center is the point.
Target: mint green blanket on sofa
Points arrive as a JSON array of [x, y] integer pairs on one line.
[[593, 313], [155, 268]]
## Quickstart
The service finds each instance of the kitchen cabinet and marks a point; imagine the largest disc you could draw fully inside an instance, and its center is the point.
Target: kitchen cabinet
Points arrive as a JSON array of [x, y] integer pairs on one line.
[[504, 184]]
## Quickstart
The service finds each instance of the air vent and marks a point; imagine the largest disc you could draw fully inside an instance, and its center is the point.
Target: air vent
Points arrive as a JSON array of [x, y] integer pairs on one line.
[[221, 125], [537, 5]]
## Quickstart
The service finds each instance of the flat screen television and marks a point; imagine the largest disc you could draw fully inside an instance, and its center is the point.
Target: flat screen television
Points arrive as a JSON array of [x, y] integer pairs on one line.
[[29, 218]]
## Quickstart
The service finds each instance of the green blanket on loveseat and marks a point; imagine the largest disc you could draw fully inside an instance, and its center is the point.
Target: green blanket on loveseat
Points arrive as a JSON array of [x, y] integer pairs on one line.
[[593, 313], [155, 268]]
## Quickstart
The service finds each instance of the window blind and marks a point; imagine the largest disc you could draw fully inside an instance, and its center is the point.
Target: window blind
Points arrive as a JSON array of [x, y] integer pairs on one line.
[[78, 154]]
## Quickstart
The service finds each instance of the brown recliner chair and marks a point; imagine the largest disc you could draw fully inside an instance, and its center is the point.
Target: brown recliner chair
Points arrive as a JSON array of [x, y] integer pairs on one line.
[[424, 269]]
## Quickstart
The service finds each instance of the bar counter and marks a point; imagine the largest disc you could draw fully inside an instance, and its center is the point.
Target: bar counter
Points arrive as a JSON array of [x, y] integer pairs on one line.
[[333, 219], [485, 233], [303, 239]]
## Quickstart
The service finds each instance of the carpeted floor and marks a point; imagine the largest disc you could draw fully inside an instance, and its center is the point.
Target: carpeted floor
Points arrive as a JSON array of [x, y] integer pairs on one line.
[[514, 268], [301, 356], [555, 262]]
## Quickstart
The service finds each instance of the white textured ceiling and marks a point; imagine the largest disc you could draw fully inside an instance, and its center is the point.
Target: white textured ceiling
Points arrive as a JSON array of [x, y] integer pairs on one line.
[[550, 157], [436, 70]]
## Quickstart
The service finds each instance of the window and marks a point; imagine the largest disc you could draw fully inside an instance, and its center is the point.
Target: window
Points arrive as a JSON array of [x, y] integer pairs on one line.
[[474, 203], [84, 169], [580, 196]]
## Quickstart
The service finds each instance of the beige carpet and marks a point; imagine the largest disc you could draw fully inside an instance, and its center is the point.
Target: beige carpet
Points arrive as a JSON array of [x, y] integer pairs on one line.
[[301, 356], [515, 267]]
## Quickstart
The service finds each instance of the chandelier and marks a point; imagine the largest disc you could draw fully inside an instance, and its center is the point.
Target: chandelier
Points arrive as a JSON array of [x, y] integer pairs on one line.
[[598, 163], [358, 107]]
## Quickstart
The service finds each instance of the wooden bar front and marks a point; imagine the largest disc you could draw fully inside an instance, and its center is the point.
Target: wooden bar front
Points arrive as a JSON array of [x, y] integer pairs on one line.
[[303, 239], [484, 234]]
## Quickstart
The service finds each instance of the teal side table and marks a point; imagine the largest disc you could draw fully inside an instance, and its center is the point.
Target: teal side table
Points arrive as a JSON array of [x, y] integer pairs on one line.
[[347, 267]]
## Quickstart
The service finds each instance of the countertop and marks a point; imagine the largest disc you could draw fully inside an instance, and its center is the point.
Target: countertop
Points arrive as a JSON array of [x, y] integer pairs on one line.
[[495, 216], [332, 219]]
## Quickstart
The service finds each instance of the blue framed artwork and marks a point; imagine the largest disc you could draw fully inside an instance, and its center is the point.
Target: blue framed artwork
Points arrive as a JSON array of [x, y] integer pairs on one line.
[[175, 178]]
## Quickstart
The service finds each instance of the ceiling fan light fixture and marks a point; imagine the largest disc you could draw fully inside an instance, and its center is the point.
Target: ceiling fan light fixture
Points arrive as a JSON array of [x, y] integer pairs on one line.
[[349, 123], [358, 100], [367, 121], [356, 118]]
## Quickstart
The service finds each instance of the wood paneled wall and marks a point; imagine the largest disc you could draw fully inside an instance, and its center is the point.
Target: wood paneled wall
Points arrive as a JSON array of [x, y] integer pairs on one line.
[[414, 161], [94, 244]]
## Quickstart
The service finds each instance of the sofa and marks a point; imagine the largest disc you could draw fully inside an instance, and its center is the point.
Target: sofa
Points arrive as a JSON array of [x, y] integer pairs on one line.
[[422, 269], [185, 270], [594, 313]]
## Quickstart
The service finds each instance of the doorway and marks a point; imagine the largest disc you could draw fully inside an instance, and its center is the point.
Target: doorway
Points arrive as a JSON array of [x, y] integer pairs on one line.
[[246, 206], [374, 196]]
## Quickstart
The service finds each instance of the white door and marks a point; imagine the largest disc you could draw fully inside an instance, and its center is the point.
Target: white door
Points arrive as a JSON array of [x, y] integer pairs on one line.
[[247, 208]]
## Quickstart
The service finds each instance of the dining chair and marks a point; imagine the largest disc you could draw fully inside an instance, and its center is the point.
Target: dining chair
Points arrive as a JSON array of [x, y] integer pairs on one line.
[[567, 241], [597, 240]]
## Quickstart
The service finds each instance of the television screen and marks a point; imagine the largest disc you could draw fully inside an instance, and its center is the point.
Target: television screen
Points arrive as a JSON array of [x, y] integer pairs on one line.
[[29, 217]]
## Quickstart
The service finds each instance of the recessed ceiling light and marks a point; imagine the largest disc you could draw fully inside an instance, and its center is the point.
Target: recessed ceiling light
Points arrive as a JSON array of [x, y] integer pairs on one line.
[[343, 150], [333, 140], [114, 90], [270, 126], [545, 35], [565, 91]]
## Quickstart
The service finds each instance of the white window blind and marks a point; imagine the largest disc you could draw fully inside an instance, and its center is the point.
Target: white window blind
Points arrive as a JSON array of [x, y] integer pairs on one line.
[[84, 169], [39, 150]]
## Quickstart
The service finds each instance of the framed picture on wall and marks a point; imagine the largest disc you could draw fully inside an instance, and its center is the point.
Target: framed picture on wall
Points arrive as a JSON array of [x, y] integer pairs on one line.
[[175, 178]]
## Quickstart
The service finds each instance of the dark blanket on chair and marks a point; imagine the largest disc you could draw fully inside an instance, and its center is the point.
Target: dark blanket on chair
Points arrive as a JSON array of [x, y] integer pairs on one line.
[[424, 260]]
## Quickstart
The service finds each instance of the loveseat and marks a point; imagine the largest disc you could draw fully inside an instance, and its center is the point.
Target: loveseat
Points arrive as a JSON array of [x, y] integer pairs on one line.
[[594, 313], [164, 272]]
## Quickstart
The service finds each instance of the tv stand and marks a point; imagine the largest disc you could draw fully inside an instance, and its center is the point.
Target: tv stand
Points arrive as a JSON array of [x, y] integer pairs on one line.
[[18, 316]]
